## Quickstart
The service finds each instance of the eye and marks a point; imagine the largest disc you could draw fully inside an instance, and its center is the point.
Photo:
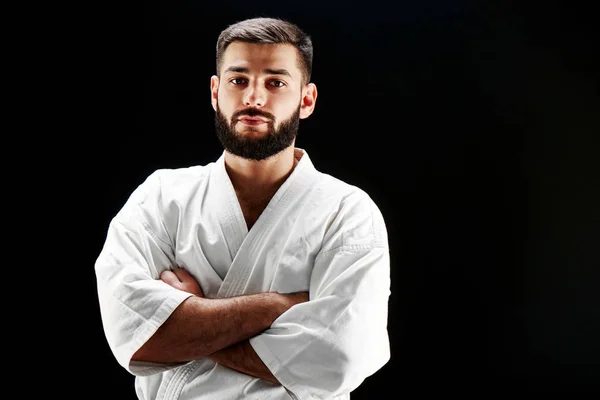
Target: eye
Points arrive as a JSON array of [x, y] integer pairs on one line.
[[237, 81], [277, 83]]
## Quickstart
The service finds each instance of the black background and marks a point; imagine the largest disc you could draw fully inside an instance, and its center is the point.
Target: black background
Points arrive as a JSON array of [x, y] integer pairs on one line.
[[473, 126]]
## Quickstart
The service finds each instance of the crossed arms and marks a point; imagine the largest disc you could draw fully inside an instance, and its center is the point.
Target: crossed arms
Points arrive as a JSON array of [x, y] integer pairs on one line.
[[216, 328], [322, 347]]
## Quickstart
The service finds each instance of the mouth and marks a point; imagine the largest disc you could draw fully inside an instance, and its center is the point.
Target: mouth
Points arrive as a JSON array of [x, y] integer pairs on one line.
[[252, 121]]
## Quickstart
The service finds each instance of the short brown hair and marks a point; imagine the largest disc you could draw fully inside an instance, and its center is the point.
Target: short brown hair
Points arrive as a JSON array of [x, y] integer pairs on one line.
[[262, 30]]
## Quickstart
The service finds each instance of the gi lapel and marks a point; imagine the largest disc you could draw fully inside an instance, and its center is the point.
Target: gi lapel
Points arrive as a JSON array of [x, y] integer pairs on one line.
[[302, 178], [227, 208]]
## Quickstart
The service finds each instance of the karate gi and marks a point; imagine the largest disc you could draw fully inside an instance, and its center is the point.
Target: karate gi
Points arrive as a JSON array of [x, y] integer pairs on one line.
[[317, 234]]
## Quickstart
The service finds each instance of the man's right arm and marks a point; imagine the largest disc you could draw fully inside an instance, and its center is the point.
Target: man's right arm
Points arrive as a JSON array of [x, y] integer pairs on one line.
[[200, 326]]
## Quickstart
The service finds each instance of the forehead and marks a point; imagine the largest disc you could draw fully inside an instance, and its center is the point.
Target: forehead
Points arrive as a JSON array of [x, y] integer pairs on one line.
[[260, 56]]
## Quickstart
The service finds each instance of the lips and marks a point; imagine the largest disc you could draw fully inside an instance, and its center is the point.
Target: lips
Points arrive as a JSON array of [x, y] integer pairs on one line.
[[252, 119]]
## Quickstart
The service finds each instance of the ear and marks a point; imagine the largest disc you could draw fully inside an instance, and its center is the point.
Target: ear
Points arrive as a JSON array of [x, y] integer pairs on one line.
[[309, 98], [214, 91]]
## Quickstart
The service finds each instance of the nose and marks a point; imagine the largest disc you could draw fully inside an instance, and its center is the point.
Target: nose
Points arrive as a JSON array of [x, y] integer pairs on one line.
[[255, 96]]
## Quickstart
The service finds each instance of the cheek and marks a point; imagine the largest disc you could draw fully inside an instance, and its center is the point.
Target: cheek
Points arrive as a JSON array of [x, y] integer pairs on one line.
[[220, 98], [285, 111], [224, 103]]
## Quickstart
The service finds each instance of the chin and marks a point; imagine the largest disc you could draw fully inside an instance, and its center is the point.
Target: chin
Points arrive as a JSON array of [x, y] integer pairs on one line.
[[252, 132]]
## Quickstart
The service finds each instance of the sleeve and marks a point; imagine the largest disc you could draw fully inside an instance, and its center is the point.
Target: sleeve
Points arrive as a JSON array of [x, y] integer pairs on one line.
[[327, 346], [133, 302]]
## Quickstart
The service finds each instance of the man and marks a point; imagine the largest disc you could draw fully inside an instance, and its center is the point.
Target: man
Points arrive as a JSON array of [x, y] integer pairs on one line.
[[255, 276]]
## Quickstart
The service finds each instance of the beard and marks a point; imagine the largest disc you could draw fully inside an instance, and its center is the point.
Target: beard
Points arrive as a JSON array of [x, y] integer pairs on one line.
[[251, 148]]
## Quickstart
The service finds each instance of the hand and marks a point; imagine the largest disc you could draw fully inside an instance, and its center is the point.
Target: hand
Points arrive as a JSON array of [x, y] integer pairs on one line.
[[291, 299], [180, 279]]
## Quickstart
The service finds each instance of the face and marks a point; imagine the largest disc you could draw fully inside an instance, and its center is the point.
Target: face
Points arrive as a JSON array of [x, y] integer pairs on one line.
[[259, 99]]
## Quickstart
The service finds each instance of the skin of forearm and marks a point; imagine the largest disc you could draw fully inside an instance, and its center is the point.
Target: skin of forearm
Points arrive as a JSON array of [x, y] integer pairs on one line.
[[200, 327], [242, 358]]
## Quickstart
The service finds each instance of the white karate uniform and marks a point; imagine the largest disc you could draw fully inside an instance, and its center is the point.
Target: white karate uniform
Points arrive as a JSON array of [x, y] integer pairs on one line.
[[317, 234]]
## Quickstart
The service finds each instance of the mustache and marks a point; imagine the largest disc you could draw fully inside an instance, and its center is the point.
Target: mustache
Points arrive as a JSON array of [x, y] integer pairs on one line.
[[252, 112]]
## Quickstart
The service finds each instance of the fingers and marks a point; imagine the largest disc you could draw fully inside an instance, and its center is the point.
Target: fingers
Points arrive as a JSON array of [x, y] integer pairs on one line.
[[181, 279], [182, 274], [170, 278]]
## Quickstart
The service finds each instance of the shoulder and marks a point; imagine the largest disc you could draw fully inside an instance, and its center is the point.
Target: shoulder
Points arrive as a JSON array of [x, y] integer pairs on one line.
[[161, 189], [161, 195], [173, 178], [347, 196], [171, 183], [355, 218]]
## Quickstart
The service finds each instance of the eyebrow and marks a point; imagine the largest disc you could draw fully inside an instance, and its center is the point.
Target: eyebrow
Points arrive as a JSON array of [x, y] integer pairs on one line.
[[269, 71]]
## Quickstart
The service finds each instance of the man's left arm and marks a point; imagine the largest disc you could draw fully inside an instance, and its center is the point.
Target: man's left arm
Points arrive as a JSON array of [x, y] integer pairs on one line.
[[326, 347]]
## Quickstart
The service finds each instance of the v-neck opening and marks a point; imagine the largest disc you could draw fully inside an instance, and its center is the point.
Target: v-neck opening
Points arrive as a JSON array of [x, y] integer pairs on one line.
[[235, 203], [301, 175]]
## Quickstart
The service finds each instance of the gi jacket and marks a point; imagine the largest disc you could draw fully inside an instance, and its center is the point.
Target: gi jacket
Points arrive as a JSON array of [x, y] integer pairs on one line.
[[317, 234]]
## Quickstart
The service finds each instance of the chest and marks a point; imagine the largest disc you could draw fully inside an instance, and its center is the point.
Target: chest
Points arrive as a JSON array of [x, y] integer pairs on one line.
[[277, 254], [252, 207]]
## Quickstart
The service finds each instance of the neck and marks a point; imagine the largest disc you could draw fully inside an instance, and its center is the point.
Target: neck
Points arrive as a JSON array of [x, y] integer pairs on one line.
[[260, 177]]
